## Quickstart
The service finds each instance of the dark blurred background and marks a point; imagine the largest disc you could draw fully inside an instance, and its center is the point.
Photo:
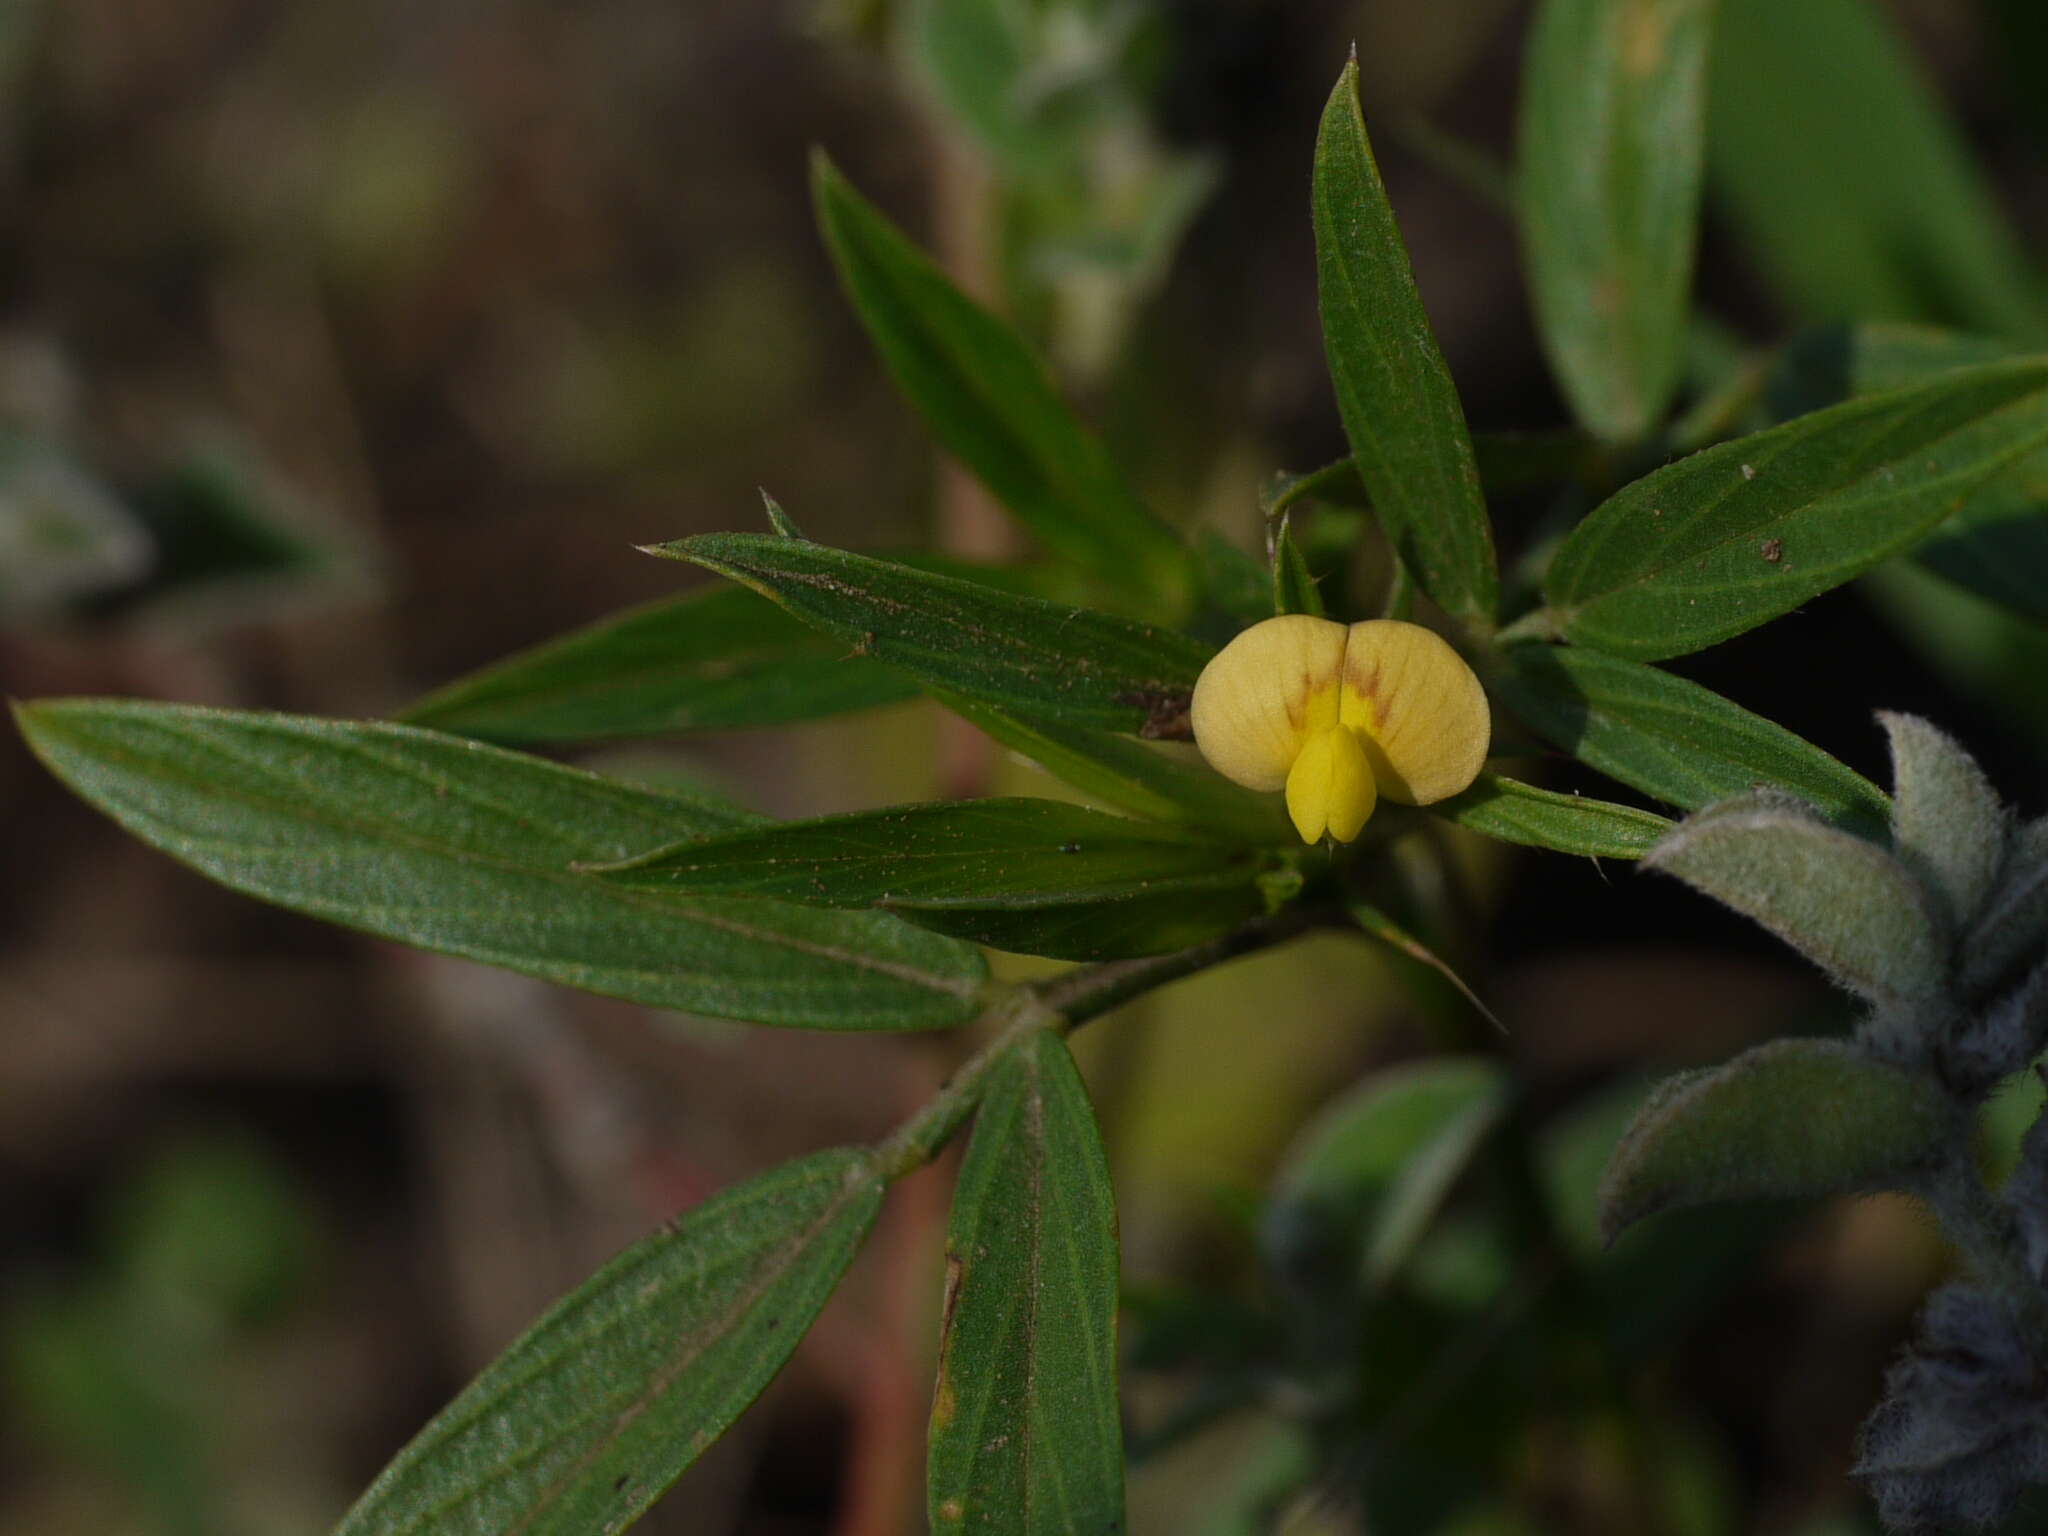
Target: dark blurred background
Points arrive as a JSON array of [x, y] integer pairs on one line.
[[356, 345]]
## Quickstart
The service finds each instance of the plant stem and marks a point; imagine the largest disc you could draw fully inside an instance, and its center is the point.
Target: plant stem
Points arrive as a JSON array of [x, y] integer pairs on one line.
[[1063, 1004], [1983, 1230]]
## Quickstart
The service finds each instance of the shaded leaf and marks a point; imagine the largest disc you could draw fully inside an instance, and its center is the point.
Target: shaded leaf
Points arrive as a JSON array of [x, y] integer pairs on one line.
[[1792, 1118], [1024, 1430], [1294, 585], [721, 659], [594, 1412], [992, 404], [1036, 876], [1844, 178], [1515, 812], [1364, 1179], [1610, 144], [1399, 407], [467, 849], [1671, 738], [1152, 781], [1739, 533], [1382, 927], [1840, 900], [1040, 659]]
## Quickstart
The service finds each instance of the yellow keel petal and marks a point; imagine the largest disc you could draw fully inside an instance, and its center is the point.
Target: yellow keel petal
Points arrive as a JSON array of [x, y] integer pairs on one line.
[[1330, 787]]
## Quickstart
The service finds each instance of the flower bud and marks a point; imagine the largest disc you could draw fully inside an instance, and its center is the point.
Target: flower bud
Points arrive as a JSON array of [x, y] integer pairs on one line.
[[1339, 716]]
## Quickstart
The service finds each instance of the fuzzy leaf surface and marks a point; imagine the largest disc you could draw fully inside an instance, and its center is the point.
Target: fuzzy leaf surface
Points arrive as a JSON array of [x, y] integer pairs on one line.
[[1025, 1437], [1400, 409], [1842, 901], [588, 1418], [1947, 822], [1611, 143], [1735, 535], [1515, 812], [1040, 659], [1037, 876], [993, 404], [467, 849], [1793, 1118], [1671, 738]]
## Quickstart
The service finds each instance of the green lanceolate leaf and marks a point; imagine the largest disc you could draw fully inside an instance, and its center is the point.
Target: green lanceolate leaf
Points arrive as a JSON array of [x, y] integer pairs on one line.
[[1036, 876], [1670, 738], [1842, 901], [1294, 585], [1365, 1178], [1611, 141], [1150, 781], [1996, 542], [994, 406], [1515, 812], [723, 659], [466, 849], [1399, 407], [1844, 179], [1948, 825], [1733, 536], [1024, 1433], [1044, 660], [1794, 1118], [586, 1421]]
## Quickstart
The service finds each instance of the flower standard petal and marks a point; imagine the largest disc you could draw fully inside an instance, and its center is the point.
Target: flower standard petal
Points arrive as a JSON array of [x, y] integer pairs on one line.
[[1419, 707], [1264, 694]]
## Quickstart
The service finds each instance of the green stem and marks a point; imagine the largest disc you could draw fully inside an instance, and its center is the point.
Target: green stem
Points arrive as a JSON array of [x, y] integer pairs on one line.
[[1065, 1003]]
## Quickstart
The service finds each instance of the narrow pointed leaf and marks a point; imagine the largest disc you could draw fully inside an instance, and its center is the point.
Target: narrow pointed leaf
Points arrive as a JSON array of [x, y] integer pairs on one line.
[[1363, 1180], [1044, 660], [1794, 1118], [1294, 585], [466, 849], [1842, 901], [1996, 542], [1515, 812], [1390, 933], [1671, 738], [1733, 536], [722, 659], [1947, 825], [1024, 1431], [1037, 876], [587, 1419], [1149, 781], [1399, 407], [1611, 143], [1845, 179], [993, 405]]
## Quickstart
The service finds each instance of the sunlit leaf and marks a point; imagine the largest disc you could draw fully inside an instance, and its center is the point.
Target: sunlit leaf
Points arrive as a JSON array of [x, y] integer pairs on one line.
[[467, 849], [1045, 660], [1400, 409], [588, 1418], [992, 404], [1024, 1430], [1515, 812], [1670, 738], [1733, 536]]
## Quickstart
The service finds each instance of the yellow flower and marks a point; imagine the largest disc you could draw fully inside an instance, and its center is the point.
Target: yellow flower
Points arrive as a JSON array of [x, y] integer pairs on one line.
[[1338, 716]]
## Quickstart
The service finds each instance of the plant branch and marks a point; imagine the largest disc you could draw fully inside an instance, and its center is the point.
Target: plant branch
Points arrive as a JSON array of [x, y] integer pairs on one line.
[[1066, 1002]]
